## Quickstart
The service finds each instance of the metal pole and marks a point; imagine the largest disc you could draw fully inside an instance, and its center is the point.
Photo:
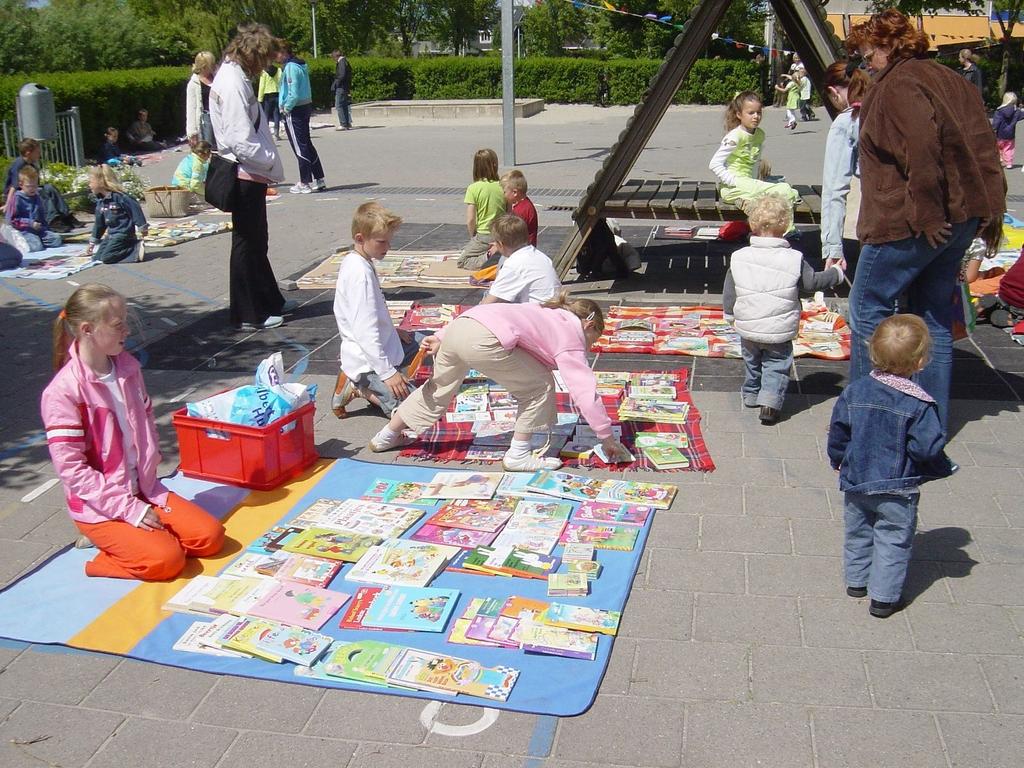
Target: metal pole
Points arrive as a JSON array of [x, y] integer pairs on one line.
[[312, 7], [508, 104]]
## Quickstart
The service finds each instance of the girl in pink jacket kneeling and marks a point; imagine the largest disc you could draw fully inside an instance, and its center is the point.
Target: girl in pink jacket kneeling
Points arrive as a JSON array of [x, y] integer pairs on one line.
[[103, 442], [516, 345]]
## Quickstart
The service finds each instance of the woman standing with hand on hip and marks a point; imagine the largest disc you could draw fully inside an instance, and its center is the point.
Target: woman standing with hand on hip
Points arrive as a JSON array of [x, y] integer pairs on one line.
[[931, 182]]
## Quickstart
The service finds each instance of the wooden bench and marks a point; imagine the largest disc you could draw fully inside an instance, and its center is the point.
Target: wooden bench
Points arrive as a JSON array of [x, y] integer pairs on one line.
[[694, 201]]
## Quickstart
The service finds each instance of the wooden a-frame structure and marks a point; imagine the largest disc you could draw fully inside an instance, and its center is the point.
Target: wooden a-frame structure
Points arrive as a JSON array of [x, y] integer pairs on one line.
[[803, 21]]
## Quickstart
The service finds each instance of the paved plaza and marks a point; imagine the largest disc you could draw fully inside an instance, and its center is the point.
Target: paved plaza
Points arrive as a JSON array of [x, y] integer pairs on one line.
[[738, 645]]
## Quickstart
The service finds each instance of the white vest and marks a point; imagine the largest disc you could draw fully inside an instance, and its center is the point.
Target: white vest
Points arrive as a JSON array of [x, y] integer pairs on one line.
[[767, 275]]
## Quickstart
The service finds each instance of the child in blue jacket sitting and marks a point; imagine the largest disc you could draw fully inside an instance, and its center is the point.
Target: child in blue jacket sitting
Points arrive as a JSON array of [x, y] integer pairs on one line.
[[886, 440], [191, 171], [27, 214], [118, 215]]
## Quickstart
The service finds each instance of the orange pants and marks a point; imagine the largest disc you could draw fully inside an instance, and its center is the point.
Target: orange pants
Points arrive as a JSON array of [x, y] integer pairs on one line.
[[127, 552]]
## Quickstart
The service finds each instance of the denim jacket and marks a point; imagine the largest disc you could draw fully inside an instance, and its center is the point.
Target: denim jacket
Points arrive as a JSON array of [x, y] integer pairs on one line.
[[883, 438], [840, 167]]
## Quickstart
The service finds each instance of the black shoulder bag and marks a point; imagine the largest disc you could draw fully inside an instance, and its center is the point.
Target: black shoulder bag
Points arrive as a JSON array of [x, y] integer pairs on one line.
[[222, 178]]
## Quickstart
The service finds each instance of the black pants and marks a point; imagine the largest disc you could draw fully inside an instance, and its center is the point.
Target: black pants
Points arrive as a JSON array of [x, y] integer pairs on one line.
[[272, 112], [53, 203], [297, 127], [253, 287]]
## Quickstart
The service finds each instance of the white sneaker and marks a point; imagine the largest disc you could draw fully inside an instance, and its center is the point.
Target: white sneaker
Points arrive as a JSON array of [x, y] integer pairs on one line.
[[377, 444], [301, 189], [321, 185], [531, 462]]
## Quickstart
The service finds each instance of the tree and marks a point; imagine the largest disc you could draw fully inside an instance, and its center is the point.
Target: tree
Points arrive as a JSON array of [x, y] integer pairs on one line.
[[17, 25], [455, 24], [549, 27], [1011, 9]]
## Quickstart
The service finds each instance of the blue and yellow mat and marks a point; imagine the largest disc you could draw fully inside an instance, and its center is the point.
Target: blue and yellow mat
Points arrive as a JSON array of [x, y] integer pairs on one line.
[[57, 604]]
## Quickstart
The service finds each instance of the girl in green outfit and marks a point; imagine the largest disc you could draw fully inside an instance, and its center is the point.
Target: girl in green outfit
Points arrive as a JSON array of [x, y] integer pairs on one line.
[[736, 161], [792, 91], [485, 201]]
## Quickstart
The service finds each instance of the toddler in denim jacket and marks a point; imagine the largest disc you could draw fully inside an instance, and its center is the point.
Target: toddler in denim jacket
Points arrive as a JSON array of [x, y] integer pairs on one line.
[[886, 439]]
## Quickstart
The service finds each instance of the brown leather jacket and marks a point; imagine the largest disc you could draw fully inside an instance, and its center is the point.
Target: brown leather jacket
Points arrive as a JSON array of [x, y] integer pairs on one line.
[[927, 153]]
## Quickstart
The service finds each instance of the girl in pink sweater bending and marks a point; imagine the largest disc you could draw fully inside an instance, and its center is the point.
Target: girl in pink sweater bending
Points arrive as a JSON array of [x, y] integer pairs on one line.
[[518, 346]]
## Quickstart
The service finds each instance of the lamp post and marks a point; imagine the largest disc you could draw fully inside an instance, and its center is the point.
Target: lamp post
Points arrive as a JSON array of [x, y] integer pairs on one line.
[[312, 10]]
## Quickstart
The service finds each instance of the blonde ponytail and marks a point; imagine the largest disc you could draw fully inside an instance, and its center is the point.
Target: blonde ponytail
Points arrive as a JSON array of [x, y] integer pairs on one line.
[[584, 309]]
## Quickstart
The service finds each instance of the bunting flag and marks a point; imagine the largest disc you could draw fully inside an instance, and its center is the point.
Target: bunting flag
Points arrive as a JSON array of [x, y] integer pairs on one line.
[[751, 47], [663, 19]]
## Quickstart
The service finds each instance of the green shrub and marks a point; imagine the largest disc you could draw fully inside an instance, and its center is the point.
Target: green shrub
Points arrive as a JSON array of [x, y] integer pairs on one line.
[[74, 182]]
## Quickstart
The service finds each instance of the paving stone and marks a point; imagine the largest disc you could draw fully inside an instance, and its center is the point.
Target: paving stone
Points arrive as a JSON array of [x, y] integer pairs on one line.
[[696, 571], [511, 733], [766, 472], [374, 717], [963, 629], [994, 454], [504, 761], [786, 502], [16, 557], [55, 676], [995, 584], [724, 445], [943, 508], [18, 519], [1005, 675], [946, 544], [799, 576], [401, 756], [674, 531], [818, 537], [139, 742], [607, 733], [270, 705], [746, 619], [252, 748], [873, 737], [691, 670], [1011, 507], [745, 534], [45, 734], [809, 473], [151, 690], [618, 676], [651, 612], [731, 421], [771, 447], [747, 735], [976, 740], [711, 499], [932, 681], [845, 623], [1001, 546], [56, 530], [9, 651], [809, 676]]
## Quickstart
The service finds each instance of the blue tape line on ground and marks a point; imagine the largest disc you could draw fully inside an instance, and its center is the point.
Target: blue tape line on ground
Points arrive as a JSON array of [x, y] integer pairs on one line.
[[541, 739], [27, 296], [165, 283]]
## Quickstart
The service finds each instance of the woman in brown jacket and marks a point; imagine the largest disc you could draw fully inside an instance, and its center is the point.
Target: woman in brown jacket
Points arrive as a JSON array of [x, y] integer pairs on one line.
[[931, 182]]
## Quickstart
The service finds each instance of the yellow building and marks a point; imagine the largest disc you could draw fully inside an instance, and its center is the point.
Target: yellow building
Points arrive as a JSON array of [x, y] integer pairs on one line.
[[946, 30]]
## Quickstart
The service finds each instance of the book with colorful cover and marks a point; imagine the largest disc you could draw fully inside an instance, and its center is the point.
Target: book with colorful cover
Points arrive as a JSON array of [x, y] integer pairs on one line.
[[677, 439], [418, 609], [332, 544], [653, 392], [568, 585], [557, 641], [581, 618], [191, 598], [658, 411], [577, 552], [565, 485], [475, 514], [254, 564], [656, 378], [355, 611], [528, 565], [272, 639], [657, 495], [299, 605], [517, 485], [274, 539], [457, 633], [401, 561], [614, 537], [303, 569], [432, 671], [237, 595], [241, 636], [481, 622], [397, 492], [463, 485], [458, 563], [364, 661], [191, 641], [589, 568], [663, 454], [515, 612], [368, 518], [453, 537], [612, 513]]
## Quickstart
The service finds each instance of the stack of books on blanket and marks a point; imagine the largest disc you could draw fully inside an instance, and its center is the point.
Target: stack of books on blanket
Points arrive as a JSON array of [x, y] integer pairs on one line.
[[652, 397]]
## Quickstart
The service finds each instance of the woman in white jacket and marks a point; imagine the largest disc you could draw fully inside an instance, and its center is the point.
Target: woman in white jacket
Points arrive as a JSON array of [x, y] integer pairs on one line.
[[244, 136], [197, 99]]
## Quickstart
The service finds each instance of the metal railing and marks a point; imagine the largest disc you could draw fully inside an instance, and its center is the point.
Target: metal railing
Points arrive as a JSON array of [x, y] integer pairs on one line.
[[66, 148]]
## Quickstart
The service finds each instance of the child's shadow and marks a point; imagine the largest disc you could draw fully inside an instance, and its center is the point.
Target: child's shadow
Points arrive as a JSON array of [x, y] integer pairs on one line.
[[939, 546]]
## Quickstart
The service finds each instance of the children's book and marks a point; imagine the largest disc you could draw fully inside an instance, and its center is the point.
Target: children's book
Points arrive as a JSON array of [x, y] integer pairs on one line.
[[568, 584], [614, 514], [657, 495], [368, 518], [581, 618], [615, 537], [419, 609], [243, 636], [576, 552], [191, 598], [431, 671], [600, 452], [254, 564], [355, 612], [364, 661], [189, 642], [565, 485], [517, 484], [556, 641], [474, 514], [658, 411], [299, 605], [458, 563], [657, 378], [662, 453], [509, 561], [535, 526], [484, 453], [331, 544], [463, 485], [303, 569], [457, 634], [653, 392], [274, 539], [483, 620], [289, 643], [401, 561], [397, 492], [237, 596], [589, 568], [453, 537], [515, 612]]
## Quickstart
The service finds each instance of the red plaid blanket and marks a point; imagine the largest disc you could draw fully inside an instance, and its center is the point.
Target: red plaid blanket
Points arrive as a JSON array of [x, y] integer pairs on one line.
[[451, 441]]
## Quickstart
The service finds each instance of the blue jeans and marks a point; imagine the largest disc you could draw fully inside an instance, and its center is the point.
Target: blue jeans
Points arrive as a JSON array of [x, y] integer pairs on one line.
[[766, 369], [879, 534], [343, 104], [372, 382], [37, 241], [928, 277]]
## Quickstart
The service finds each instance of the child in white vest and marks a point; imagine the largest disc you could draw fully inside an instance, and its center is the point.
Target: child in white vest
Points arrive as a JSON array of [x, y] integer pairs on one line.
[[761, 299]]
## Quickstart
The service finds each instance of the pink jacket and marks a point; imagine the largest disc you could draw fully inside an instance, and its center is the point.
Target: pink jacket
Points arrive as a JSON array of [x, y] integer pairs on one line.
[[555, 337], [87, 447]]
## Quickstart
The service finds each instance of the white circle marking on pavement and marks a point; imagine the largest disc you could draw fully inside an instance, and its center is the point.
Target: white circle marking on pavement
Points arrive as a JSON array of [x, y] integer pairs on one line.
[[428, 719]]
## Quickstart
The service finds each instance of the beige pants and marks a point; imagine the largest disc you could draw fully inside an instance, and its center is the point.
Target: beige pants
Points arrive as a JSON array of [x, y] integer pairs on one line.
[[852, 210], [474, 253], [468, 344]]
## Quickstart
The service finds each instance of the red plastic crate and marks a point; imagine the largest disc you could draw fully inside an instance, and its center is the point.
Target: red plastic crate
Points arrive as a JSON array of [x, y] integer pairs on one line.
[[251, 457]]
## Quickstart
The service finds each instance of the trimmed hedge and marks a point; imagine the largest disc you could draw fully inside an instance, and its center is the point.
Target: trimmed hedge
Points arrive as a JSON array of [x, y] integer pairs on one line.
[[112, 98]]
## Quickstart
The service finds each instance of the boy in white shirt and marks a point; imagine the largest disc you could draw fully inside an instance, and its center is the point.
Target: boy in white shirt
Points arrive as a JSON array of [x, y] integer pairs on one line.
[[526, 275], [373, 352]]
